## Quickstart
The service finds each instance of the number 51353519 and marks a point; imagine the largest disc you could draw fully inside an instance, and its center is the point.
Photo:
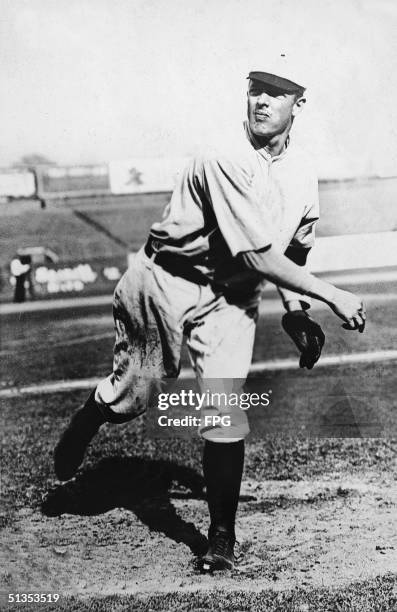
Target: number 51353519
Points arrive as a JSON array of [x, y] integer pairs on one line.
[[33, 597]]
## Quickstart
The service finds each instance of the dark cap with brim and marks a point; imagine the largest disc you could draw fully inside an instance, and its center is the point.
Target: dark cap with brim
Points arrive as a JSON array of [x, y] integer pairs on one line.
[[277, 81]]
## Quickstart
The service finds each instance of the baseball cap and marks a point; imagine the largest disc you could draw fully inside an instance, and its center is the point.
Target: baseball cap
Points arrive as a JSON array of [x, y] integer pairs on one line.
[[280, 73]]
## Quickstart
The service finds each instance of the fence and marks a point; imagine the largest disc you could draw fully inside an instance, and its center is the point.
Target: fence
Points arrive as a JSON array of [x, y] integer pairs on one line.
[[73, 181]]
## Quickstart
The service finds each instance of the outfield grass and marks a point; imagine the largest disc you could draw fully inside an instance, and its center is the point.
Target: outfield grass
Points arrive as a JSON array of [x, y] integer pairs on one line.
[[127, 217], [58, 229]]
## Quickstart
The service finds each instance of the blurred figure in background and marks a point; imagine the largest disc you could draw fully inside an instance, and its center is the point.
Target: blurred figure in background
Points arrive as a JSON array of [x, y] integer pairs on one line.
[[21, 270]]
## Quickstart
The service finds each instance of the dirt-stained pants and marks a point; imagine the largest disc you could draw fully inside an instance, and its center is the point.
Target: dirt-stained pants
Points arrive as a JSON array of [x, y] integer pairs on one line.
[[152, 311]]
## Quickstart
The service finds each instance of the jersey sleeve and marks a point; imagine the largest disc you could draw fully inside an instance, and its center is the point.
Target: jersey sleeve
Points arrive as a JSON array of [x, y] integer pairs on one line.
[[303, 239], [240, 217]]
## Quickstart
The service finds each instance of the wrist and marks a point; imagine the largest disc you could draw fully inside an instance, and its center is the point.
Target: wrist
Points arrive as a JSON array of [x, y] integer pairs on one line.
[[293, 305], [298, 313], [322, 291]]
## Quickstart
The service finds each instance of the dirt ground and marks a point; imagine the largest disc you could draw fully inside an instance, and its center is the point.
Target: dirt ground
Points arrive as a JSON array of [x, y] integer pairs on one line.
[[326, 532]]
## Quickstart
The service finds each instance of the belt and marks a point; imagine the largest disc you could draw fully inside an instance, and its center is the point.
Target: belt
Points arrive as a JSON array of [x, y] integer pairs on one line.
[[177, 265], [152, 247]]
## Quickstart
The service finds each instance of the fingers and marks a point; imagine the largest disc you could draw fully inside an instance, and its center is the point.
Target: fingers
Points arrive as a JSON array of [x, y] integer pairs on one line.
[[351, 310], [362, 310], [363, 315], [352, 325], [356, 322]]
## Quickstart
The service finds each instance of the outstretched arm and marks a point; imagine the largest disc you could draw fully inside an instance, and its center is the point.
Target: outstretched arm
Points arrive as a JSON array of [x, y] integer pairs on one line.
[[277, 268]]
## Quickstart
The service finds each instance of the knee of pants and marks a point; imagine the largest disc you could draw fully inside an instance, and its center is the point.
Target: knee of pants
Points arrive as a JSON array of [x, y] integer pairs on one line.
[[119, 402], [223, 425]]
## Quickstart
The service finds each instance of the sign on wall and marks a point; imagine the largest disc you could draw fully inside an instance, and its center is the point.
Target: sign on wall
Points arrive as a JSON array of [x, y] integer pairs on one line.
[[17, 183], [73, 180], [145, 175], [49, 278]]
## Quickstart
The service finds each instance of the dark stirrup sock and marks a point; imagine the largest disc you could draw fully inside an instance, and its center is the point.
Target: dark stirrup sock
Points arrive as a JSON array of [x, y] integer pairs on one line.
[[223, 464], [91, 412], [98, 414]]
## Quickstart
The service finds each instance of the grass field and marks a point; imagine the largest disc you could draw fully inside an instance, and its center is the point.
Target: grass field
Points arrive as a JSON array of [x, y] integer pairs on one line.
[[316, 524]]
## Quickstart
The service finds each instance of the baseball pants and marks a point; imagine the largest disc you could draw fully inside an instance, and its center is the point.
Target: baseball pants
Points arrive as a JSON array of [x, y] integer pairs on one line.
[[153, 309]]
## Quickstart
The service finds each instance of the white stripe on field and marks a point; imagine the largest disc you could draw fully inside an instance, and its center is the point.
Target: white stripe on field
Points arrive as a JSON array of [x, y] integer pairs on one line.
[[328, 360], [186, 373], [55, 387], [339, 279]]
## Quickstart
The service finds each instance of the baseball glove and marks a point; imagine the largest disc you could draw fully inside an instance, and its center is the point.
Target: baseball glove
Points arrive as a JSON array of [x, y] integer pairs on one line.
[[306, 334]]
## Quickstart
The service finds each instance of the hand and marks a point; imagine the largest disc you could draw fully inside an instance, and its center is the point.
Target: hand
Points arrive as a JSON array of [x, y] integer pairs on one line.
[[307, 335], [350, 309]]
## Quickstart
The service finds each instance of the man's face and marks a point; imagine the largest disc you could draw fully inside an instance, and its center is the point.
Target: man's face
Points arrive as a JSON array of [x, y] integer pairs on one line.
[[270, 110]]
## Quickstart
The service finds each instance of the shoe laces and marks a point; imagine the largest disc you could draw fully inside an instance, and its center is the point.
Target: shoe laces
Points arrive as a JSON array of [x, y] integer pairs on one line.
[[221, 544]]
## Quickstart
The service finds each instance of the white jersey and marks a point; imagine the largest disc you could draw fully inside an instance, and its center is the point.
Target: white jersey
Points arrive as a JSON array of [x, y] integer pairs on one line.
[[223, 205]]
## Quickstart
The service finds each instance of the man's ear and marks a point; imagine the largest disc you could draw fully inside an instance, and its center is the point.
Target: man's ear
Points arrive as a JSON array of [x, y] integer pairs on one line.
[[298, 106]]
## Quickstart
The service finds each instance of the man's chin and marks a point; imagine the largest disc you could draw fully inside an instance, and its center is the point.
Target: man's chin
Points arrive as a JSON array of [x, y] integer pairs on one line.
[[261, 131]]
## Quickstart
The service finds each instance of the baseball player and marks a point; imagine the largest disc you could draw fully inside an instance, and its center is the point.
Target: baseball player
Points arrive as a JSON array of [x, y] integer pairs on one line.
[[234, 221]]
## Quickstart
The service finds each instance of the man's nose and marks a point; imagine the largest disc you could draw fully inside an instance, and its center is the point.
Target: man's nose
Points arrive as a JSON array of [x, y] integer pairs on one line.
[[263, 99]]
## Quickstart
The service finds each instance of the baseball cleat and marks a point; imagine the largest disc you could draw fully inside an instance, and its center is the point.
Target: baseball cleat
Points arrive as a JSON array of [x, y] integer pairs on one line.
[[220, 554], [70, 450]]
